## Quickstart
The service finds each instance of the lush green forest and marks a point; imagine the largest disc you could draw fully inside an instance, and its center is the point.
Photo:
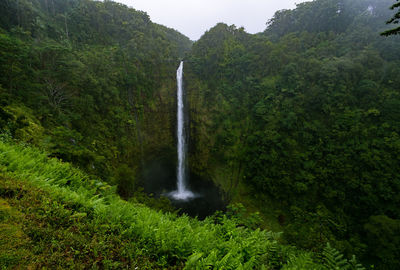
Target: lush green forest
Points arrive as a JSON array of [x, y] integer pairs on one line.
[[90, 82], [300, 123], [55, 216], [305, 119]]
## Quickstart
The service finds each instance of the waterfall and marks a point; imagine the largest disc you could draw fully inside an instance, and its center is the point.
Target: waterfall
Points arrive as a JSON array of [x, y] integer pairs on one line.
[[182, 193]]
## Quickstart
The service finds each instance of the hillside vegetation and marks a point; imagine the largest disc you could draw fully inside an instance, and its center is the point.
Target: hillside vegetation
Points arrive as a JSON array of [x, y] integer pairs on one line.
[[91, 82], [54, 215], [302, 123]]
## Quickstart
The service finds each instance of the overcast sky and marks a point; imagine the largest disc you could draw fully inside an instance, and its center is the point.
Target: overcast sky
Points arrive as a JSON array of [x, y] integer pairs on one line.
[[194, 17]]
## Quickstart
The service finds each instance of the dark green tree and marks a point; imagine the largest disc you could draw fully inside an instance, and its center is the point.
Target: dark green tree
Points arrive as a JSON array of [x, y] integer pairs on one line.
[[394, 20]]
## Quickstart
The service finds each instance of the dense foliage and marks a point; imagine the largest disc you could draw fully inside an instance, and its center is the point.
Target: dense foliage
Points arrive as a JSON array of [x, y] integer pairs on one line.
[[91, 82], [307, 114], [39, 231], [300, 122], [61, 207]]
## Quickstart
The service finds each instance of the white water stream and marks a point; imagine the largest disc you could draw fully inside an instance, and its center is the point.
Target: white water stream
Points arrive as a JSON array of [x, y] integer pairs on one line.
[[182, 192]]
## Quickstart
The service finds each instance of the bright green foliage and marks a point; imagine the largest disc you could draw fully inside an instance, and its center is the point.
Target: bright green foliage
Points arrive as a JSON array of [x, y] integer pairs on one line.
[[37, 231], [303, 261], [139, 234]]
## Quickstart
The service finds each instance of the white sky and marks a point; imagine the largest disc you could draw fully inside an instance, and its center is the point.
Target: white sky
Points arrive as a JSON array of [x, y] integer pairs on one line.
[[194, 17]]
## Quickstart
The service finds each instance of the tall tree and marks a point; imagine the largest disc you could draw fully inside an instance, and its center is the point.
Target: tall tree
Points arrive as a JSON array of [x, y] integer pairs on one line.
[[394, 20]]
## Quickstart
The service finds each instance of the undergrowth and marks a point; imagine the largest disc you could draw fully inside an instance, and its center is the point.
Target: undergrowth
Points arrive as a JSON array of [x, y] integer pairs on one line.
[[71, 219], [40, 232]]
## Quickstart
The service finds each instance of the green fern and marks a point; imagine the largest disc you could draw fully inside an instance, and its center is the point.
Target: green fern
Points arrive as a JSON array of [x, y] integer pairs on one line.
[[354, 265], [333, 259], [174, 240], [273, 256], [195, 261], [301, 262], [224, 262]]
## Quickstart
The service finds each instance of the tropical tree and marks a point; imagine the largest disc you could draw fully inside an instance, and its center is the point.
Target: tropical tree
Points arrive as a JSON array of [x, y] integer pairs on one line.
[[394, 20]]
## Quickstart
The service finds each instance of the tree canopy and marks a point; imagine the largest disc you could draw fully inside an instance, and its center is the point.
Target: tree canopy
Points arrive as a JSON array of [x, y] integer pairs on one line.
[[305, 116], [300, 122]]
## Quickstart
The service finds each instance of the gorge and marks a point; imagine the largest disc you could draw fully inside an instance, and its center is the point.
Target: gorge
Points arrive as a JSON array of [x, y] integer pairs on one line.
[[293, 130]]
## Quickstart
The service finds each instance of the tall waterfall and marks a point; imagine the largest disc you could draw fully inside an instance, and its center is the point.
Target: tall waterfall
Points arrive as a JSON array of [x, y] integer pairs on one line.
[[182, 193]]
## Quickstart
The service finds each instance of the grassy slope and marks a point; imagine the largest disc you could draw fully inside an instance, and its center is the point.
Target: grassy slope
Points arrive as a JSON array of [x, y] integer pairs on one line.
[[38, 231], [54, 215]]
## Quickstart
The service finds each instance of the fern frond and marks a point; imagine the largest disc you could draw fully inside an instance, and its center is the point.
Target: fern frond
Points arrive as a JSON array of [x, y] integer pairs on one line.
[[332, 259], [354, 265]]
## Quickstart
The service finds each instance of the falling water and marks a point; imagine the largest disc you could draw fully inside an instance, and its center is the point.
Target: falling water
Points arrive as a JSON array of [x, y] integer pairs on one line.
[[182, 193]]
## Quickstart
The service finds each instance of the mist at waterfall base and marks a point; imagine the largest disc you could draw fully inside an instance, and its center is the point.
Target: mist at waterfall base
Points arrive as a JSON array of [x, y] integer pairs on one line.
[[159, 178]]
